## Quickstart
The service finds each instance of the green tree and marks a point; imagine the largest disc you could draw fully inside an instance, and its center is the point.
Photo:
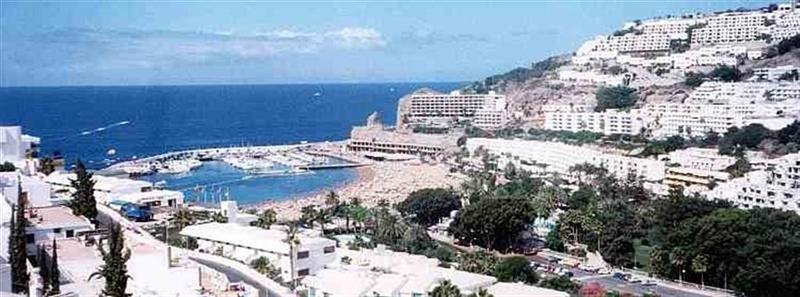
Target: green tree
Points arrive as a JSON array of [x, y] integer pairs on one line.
[[83, 202], [427, 206], [17, 245], [700, 265], [554, 241], [515, 269], [265, 267], [445, 289], [114, 268], [480, 262], [55, 273], [493, 223], [47, 165], [560, 283], [726, 73], [481, 293], [183, 218], [7, 167], [44, 271], [694, 79], [615, 97], [266, 218], [293, 240]]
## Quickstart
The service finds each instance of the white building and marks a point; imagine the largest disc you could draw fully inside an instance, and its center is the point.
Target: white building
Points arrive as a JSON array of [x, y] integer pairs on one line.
[[777, 186], [384, 273], [154, 198], [787, 24], [374, 139], [492, 116], [608, 122], [590, 78], [733, 27], [773, 73], [53, 222], [5, 228], [553, 157], [247, 243], [39, 192], [15, 146], [430, 107], [106, 188], [699, 158]]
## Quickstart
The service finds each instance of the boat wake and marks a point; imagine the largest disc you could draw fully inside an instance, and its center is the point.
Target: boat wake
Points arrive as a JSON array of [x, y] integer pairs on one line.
[[101, 129]]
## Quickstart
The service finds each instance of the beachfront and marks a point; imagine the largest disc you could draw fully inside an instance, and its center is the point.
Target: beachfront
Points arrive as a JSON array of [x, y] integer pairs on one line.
[[389, 181]]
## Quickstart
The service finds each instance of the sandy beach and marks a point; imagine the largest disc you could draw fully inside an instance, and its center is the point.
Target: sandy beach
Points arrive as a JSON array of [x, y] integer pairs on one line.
[[390, 181]]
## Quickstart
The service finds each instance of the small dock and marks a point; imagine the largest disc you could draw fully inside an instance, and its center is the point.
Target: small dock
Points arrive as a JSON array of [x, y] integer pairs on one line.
[[331, 166]]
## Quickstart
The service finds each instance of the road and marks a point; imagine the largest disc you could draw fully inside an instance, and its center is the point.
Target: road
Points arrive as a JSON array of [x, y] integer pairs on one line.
[[613, 284]]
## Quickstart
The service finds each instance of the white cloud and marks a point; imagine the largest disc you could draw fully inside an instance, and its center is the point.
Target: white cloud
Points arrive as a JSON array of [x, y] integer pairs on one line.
[[158, 48]]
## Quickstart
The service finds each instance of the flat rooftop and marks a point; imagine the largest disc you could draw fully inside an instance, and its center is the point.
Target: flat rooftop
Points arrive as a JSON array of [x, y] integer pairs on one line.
[[251, 237], [55, 217]]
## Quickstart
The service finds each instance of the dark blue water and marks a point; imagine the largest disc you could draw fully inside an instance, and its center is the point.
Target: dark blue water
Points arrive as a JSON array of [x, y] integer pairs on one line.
[[86, 122], [167, 118]]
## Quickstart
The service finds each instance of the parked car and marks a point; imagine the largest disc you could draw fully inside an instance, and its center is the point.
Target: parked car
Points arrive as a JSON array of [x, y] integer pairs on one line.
[[649, 282], [618, 275], [135, 212]]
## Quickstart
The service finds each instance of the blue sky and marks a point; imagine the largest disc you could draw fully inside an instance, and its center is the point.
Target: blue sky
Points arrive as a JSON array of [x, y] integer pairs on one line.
[[142, 43]]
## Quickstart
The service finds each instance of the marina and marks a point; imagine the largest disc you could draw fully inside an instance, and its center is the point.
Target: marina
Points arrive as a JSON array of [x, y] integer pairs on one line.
[[250, 175]]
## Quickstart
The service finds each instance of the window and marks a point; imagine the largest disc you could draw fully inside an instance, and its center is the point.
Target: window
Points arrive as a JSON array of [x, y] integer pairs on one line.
[[29, 238], [70, 233], [302, 255], [302, 272], [329, 249], [57, 230]]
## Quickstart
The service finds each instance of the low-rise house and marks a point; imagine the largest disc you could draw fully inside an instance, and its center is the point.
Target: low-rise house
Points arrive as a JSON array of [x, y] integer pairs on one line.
[[775, 186], [54, 222], [247, 243], [39, 192], [154, 198]]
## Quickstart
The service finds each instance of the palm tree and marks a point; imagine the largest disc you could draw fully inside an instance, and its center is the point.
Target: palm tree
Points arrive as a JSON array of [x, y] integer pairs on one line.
[[677, 257], [323, 217], [700, 265], [183, 218], [481, 293], [390, 227], [293, 240], [266, 218], [331, 199], [265, 267], [446, 289], [309, 215], [218, 217]]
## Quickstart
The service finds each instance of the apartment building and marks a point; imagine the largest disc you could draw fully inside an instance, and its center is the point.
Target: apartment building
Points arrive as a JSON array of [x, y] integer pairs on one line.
[[376, 138], [590, 78], [734, 27], [776, 186], [786, 24], [694, 180], [428, 106], [609, 122], [15, 147], [674, 28], [699, 158], [644, 42], [773, 73], [492, 115], [247, 243], [541, 157]]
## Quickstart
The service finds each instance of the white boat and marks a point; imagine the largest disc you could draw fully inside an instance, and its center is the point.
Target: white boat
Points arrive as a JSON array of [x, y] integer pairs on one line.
[[179, 166]]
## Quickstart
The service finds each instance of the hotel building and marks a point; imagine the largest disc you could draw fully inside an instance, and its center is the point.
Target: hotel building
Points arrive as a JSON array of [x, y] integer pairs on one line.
[[385, 273], [731, 27], [430, 107], [542, 157], [608, 122], [773, 73], [787, 24], [375, 138], [777, 186], [247, 243], [694, 180], [699, 158]]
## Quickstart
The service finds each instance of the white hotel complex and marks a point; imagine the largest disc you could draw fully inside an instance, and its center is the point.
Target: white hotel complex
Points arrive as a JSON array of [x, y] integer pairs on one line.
[[428, 107], [712, 107], [776, 186], [541, 157]]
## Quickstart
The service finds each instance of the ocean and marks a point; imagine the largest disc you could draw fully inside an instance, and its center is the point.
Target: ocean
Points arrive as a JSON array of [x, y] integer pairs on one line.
[[139, 121]]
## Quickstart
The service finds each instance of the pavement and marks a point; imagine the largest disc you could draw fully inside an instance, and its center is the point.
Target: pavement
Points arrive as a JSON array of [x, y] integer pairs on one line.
[[613, 284]]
